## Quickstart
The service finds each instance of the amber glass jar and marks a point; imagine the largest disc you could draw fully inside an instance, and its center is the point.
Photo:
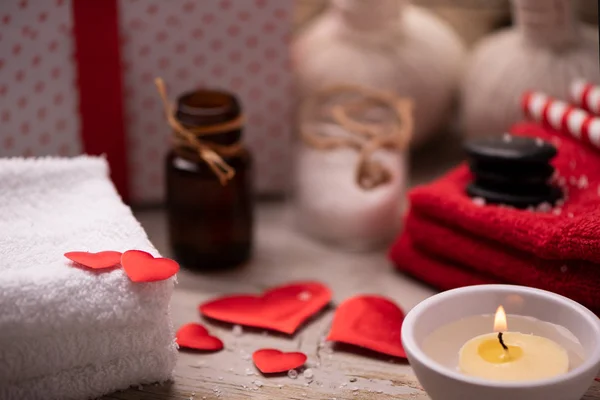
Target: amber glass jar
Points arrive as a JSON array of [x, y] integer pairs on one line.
[[210, 222]]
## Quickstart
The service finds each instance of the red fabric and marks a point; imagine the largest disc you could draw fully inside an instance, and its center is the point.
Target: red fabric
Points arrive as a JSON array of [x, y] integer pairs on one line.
[[449, 241], [96, 33], [578, 280], [544, 235]]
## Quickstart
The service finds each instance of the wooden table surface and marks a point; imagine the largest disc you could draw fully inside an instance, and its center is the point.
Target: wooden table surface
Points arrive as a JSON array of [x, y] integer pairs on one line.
[[283, 255]]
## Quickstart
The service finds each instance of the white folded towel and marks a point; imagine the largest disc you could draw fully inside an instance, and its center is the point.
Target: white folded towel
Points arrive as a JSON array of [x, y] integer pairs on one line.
[[68, 332]]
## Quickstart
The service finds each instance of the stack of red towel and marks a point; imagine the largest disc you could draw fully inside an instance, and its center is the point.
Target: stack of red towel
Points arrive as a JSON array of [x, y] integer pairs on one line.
[[450, 240]]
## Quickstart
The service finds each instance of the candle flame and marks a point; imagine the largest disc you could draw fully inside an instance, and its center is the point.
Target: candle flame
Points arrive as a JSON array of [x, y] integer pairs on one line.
[[500, 324]]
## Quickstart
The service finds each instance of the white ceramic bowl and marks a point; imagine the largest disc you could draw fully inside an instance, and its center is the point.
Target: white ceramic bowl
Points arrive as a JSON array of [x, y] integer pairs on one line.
[[443, 383]]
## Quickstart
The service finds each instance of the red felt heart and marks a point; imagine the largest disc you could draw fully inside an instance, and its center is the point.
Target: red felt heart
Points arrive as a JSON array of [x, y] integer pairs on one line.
[[372, 322], [100, 260], [195, 336], [142, 267], [283, 308], [270, 361]]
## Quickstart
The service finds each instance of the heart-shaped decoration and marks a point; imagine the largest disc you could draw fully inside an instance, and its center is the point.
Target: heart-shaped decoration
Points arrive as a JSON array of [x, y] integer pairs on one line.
[[143, 267], [270, 361], [283, 308], [195, 336], [372, 322], [100, 260]]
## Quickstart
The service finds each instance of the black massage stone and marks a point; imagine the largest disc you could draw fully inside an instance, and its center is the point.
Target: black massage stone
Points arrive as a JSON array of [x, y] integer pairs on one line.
[[512, 170]]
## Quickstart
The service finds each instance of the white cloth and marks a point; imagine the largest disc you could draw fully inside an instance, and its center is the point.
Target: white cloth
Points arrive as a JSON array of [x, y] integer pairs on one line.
[[68, 332]]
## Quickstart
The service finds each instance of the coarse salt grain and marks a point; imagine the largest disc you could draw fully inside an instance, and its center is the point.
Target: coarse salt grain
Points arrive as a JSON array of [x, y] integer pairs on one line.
[[478, 201], [279, 386], [353, 379], [507, 138], [557, 211], [564, 269], [539, 142], [583, 182], [258, 383], [220, 378], [354, 389], [308, 373], [249, 371], [293, 374], [544, 207], [237, 330]]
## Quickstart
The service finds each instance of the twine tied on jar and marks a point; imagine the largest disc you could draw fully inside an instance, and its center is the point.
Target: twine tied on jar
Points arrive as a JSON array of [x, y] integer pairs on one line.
[[352, 107], [188, 140]]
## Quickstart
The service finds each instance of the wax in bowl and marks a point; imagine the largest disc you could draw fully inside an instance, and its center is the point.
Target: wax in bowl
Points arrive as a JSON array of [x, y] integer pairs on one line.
[[434, 331]]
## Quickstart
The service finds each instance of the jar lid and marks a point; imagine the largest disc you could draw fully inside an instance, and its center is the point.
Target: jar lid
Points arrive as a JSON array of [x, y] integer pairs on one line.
[[207, 107]]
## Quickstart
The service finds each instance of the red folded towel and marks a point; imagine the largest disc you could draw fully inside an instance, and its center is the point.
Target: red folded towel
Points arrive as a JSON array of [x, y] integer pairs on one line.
[[441, 274], [438, 273], [572, 235], [578, 280]]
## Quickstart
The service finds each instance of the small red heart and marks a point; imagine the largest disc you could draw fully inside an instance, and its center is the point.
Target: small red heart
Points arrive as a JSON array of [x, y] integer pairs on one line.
[[372, 322], [100, 260], [195, 336], [143, 267], [283, 308], [270, 361]]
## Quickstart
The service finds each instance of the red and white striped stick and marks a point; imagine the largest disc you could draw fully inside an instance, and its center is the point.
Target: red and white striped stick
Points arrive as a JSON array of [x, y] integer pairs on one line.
[[586, 95], [562, 116]]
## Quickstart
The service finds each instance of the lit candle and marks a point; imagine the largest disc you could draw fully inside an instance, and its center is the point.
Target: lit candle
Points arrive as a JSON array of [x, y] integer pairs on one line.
[[512, 356]]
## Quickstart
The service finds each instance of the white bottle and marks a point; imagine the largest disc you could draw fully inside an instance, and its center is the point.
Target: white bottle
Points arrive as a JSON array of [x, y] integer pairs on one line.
[[387, 45], [546, 50]]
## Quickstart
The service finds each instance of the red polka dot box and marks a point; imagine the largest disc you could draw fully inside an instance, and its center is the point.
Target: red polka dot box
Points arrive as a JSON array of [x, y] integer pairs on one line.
[[77, 76]]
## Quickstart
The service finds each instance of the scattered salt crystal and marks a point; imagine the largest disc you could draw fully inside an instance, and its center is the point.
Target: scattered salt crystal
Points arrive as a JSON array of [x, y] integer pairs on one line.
[[560, 202], [237, 330], [343, 384], [304, 295], [306, 384], [258, 383], [200, 363], [203, 397], [530, 209], [216, 389], [570, 215], [380, 391], [304, 394], [478, 201], [507, 138], [539, 142], [308, 373], [230, 369], [353, 379], [293, 374], [220, 378], [583, 182], [544, 207], [354, 389], [279, 386], [249, 371], [244, 386], [557, 211], [564, 269], [329, 356]]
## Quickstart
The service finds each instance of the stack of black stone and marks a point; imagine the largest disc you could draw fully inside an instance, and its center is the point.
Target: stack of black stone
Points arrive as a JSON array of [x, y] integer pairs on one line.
[[512, 170]]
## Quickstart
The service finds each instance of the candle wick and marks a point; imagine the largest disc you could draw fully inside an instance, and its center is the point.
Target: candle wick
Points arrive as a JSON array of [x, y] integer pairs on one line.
[[502, 341]]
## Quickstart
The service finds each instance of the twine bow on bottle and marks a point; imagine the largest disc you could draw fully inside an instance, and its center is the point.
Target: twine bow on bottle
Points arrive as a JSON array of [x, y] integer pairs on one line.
[[190, 139], [364, 137]]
